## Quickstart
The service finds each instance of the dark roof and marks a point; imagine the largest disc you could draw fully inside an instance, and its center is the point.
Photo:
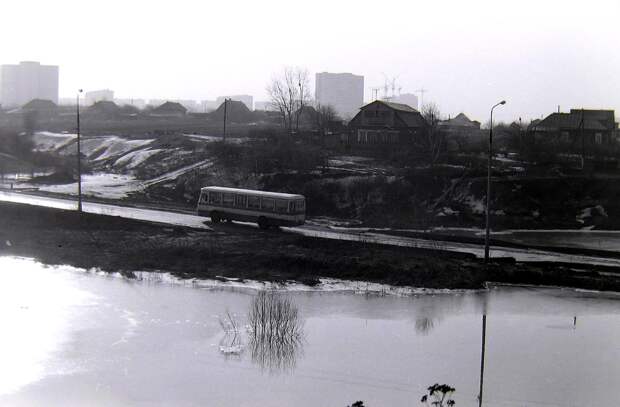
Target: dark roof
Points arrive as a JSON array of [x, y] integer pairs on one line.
[[170, 107], [570, 121], [401, 107], [601, 115], [104, 107], [405, 113], [129, 109], [236, 111], [39, 104], [460, 120]]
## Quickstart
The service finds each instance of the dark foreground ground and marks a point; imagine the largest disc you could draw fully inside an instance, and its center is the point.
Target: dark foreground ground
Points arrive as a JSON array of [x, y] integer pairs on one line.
[[236, 251]]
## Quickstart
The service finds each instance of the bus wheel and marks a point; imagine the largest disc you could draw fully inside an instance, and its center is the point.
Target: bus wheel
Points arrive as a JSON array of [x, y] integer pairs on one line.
[[215, 217], [262, 223]]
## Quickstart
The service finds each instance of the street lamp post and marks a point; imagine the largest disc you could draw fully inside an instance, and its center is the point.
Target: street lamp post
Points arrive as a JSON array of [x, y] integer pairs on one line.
[[490, 159], [79, 154], [225, 116]]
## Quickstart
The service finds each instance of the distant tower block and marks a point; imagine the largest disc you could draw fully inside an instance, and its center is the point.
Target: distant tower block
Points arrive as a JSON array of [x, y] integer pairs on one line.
[[343, 91]]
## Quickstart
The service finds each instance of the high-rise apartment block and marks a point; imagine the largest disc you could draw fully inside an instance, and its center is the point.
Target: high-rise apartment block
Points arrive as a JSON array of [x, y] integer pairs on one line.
[[19, 84], [343, 91]]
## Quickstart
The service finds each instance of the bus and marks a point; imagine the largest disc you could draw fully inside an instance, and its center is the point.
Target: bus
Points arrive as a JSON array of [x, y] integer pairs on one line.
[[265, 208]]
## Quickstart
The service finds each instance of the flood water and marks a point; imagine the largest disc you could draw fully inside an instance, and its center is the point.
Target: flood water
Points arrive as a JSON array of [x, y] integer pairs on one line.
[[72, 338]]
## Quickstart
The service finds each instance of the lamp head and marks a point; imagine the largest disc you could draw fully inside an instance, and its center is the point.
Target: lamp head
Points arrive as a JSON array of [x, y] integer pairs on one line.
[[503, 102]]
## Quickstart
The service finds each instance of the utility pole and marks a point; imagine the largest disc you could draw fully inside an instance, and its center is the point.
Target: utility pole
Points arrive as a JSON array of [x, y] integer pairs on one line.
[[583, 142], [484, 336], [225, 114], [79, 155], [490, 159]]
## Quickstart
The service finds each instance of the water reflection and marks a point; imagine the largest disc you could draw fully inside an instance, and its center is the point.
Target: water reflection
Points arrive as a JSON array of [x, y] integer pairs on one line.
[[276, 355], [423, 325]]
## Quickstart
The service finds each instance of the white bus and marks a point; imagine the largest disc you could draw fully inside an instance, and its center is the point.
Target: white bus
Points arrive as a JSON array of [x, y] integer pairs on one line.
[[265, 208]]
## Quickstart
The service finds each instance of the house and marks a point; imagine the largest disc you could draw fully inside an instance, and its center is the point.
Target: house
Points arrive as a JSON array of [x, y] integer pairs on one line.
[[236, 112], [39, 105], [577, 129], [169, 109], [460, 125], [104, 109], [382, 122], [38, 109]]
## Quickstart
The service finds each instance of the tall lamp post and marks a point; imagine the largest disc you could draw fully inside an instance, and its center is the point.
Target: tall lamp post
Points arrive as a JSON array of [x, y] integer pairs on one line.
[[490, 159], [79, 154], [225, 116]]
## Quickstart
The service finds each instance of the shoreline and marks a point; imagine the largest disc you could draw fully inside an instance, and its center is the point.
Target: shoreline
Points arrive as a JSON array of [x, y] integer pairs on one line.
[[62, 237], [326, 286]]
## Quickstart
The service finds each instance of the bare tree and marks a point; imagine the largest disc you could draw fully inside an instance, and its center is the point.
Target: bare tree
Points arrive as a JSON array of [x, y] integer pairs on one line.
[[435, 138], [289, 93], [325, 115]]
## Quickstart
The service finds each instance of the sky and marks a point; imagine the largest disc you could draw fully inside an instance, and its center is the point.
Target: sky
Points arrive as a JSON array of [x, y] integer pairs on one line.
[[467, 54]]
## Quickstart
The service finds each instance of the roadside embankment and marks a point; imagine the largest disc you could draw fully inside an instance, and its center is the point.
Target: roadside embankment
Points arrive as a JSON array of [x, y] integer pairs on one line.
[[238, 251]]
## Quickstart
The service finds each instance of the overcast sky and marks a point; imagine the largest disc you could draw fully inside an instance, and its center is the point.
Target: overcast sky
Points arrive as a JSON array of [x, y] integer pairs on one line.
[[468, 54]]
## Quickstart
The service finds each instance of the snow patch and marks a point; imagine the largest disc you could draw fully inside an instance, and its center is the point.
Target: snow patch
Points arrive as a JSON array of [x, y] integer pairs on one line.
[[135, 158]]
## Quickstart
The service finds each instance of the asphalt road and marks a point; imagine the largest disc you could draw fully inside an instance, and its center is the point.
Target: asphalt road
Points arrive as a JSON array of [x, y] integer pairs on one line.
[[195, 221]]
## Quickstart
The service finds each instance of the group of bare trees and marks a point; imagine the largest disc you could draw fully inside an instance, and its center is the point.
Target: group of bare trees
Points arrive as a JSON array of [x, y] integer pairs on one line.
[[289, 94], [434, 139]]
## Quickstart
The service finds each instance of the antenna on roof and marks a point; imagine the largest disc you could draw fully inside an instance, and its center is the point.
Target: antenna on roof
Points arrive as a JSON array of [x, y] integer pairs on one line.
[[375, 93], [421, 91]]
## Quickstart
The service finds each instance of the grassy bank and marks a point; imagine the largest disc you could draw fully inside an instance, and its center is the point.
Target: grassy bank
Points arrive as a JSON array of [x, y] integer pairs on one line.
[[115, 244]]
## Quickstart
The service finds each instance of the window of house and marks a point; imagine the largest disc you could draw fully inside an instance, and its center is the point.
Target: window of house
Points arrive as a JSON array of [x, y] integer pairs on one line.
[[598, 138]]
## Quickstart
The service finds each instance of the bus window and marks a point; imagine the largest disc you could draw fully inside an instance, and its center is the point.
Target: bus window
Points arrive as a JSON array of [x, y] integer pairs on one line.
[[253, 202], [267, 204], [240, 201], [301, 205], [291, 206], [215, 197], [281, 206], [228, 199]]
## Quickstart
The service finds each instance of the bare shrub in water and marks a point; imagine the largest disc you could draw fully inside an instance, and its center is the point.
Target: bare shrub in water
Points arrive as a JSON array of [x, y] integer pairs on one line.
[[276, 331], [273, 315]]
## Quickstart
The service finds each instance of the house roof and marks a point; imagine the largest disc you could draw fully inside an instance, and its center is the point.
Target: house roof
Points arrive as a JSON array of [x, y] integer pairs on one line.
[[39, 104], [170, 107], [235, 111], [401, 107], [407, 114], [460, 120], [104, 106], [570, 121]]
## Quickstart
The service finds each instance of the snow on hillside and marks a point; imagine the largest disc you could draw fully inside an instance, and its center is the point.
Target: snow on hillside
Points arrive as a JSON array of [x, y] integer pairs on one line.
[[111, 186], [101, 148], [135, 158], [46, 141]]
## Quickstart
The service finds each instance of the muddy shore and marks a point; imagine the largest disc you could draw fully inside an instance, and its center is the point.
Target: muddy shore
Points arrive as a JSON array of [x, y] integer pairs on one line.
[[114, 244]]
